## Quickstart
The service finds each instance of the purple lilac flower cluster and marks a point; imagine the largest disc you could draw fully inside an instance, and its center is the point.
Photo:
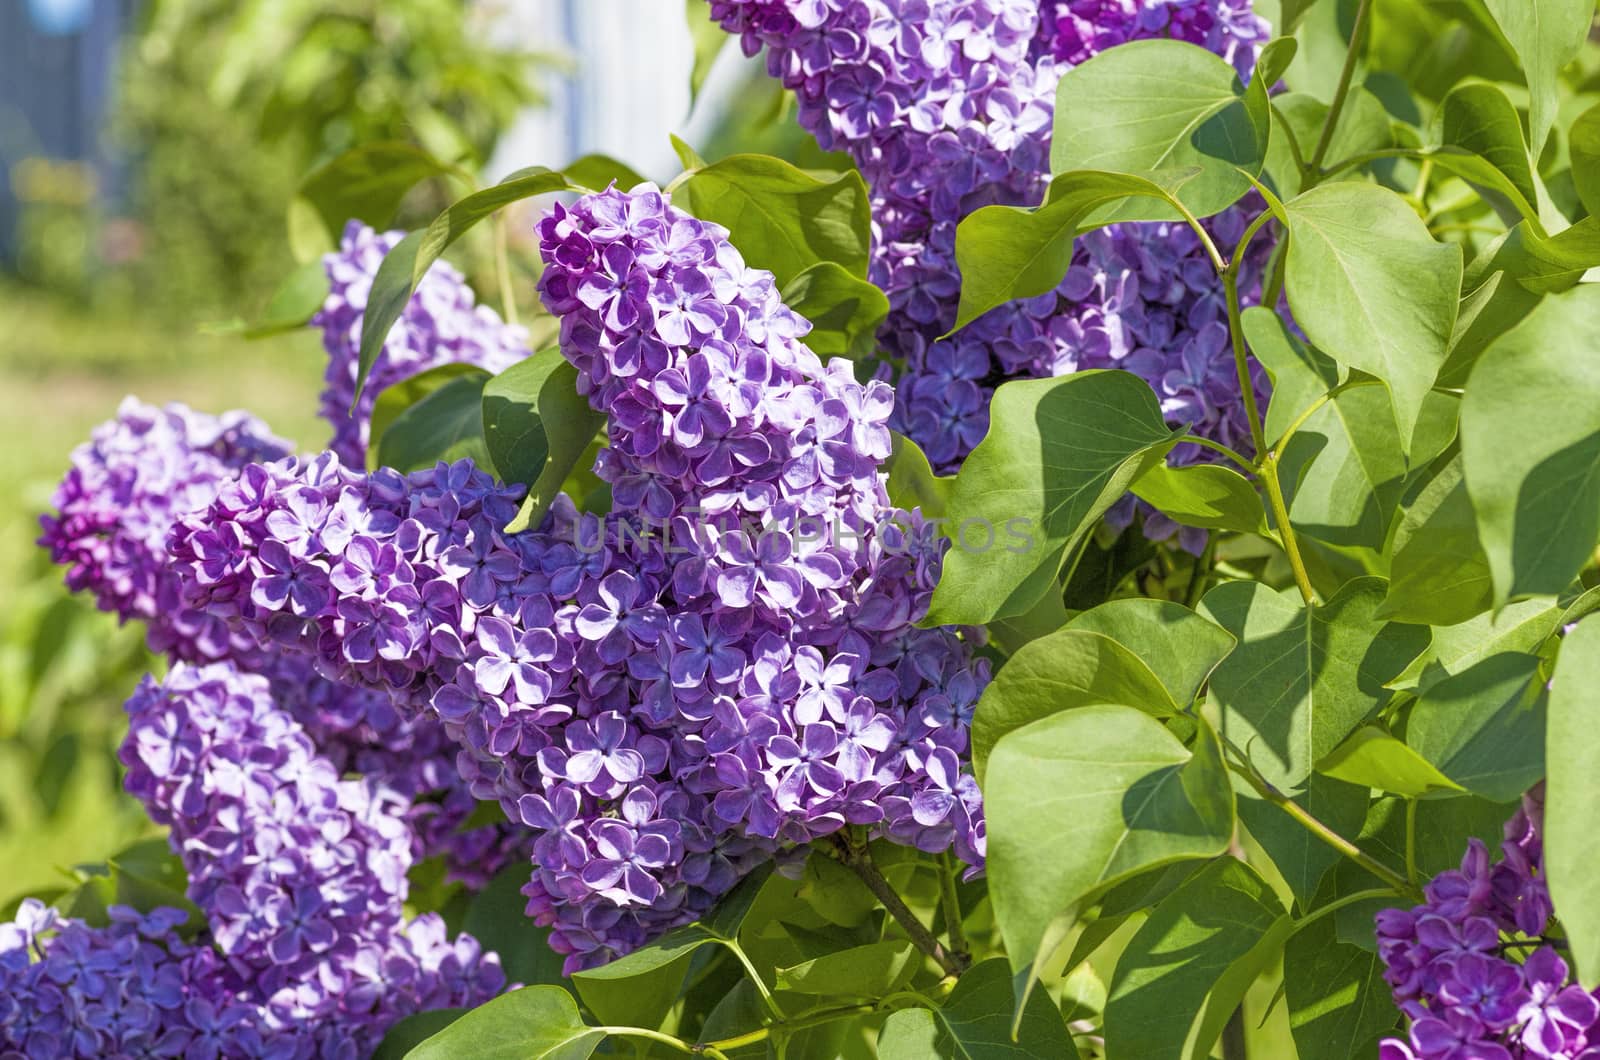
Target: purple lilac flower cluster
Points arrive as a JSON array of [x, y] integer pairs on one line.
[[724, 664], [126, 487], [946, 108], [1472, 968], [300, 876], [442, 324], [115, 507]]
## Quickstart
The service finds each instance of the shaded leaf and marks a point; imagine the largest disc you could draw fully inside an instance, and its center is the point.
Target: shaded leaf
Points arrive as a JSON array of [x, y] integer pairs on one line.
[[536, 426], [1372, 289], [844, 309], [1059, 452], [975, 1023], [1484, 727], [1438, 575], [1571, 842], [1530, 440], [1163, 105], [1302, 679], [1121, 793], [445, 425]]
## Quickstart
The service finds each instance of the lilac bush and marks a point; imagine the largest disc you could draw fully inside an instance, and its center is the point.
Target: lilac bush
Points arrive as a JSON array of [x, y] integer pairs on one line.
[[1475, 968], [723, 664], [441, 324], [946, 108]]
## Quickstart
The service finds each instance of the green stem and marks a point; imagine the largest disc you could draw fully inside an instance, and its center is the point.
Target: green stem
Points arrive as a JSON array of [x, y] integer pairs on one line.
[[1241, 359], [1280, 512], [1411, 841], [655, 1036], [1245, 463], [502, 267], [1357, 39], [859, 861], [761, 1034], [767, 999], [1202, 573], [1333, 839], [1339, 903], [953, 927]]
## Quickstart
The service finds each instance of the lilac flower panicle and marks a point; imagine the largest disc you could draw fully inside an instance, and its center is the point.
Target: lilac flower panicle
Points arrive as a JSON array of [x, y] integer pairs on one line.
[[300, 876], [724, 665], [126, 487], [948, 107], [441, 324], [1472, 969], [116, 505]]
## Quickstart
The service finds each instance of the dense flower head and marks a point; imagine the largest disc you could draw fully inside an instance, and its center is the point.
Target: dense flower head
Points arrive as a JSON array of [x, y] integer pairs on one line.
[[724, 664], [948, 107], [441, 324], [1472, 969], [127, 485], [299, 876], [137, 987]]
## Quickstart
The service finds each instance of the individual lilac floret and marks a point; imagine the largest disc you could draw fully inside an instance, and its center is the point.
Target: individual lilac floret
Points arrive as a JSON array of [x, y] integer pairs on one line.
[[442, 324], [1472, 968], [724, 665], [948, 107], [126, 487]]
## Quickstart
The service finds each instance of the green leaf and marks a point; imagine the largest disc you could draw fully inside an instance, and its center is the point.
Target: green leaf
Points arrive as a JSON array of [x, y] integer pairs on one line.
[[1583, 140], [1302, 859], [534, 1023], [708, 38], [1339, 1005], [1478, 119], [405, 266], [1519, 627], [1372, 288], [1205, 495], [688, 157], [366, 183], [394, 399], [298, 298], [784, 219], [1275, 59], [912, 483], [415, 1029], [844, 309], [640, 987], [1163, 105], [597, 172], [1546, 35], [1059, 452], [1439, 574], [1067, 669], [1169, 967], [1571, 841], [1364, 125], [975, 1023], [1293, 12], [1009, 252], [1371, 758], [1484, 727], [446, 425], [536, 426], [1303, 678], [1299, 374], [1121, 793], [1530, 438], [1344, 471], [1180, 647], [497, 916], [869, 971]]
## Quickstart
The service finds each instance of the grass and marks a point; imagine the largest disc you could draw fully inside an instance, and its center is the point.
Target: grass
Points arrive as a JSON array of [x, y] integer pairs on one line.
[[65, 668]]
